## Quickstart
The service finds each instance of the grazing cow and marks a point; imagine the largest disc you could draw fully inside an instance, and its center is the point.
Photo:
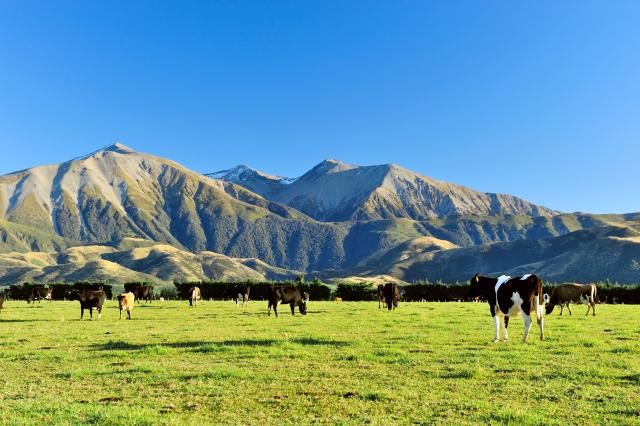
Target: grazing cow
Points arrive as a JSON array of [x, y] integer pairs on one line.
[[573, 293], [338, 299], [288, 294], [391, 295], [241, 294], [126, 302], [39, 293], [381, 299], [509, 297], [194, 296], [89, 299], [141, 292]]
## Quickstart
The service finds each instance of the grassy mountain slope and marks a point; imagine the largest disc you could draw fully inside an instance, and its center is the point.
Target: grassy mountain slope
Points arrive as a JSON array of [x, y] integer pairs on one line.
[[142, 261], [587, 255]]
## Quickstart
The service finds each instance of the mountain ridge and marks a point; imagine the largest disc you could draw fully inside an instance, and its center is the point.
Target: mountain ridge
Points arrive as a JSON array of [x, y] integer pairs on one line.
[[335, 220], [336, 191]]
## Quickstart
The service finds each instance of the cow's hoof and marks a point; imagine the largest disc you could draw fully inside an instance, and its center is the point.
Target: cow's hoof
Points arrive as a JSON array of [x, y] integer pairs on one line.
[[496, 340]]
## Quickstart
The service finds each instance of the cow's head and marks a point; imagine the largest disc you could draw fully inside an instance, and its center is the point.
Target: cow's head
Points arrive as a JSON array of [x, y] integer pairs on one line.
[[475, 289], [549, 307], [303, 305], [72, 294]]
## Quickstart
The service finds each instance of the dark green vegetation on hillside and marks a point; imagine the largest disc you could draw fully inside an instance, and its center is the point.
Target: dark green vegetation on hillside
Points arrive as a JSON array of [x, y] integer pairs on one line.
[[346, 363], [130, 216]]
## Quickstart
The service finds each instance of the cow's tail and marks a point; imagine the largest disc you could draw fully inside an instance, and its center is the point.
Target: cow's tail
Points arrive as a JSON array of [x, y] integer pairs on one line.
[[539, 299]]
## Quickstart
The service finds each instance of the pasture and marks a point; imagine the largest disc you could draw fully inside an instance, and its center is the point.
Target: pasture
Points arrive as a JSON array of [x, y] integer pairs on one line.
[[346, 363]]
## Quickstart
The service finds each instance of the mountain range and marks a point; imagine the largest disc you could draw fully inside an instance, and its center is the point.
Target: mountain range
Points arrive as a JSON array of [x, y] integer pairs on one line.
[[119, 215]]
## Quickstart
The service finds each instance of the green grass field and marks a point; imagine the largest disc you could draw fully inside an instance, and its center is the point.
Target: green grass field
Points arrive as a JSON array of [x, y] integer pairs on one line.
[[347, 363]]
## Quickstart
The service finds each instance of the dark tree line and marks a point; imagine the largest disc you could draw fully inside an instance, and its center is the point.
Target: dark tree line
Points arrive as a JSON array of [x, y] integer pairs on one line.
[[60, 290]]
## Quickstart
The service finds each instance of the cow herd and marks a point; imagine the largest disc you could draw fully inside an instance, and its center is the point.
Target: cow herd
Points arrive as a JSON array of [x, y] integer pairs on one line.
[[507, 297]]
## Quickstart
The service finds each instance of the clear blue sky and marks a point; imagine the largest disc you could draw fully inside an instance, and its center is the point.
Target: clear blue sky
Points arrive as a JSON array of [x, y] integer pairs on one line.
[[537, 99]]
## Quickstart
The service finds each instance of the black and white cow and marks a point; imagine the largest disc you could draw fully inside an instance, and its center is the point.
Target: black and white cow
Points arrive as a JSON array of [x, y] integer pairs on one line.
[[241, 294], [290, 295], [39, 293], [510, 297]]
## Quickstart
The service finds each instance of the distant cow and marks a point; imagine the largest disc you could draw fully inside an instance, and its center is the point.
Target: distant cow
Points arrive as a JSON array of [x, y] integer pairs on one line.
[[89, 299], [1, 302], [241, 294], [194, 296], [39, 293], [391, 295], [338, 299], [573, 293], [141, 292], [509, 297], [288, 294], [381, 300], [126, 302]]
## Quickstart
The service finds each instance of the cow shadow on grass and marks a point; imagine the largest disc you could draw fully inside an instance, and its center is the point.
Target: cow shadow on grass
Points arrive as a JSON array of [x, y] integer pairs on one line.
[[213, 346], [312, 341], [197, 345]]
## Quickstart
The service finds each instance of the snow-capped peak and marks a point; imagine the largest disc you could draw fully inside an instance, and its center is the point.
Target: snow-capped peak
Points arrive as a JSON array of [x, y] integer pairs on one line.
[[241, 173]]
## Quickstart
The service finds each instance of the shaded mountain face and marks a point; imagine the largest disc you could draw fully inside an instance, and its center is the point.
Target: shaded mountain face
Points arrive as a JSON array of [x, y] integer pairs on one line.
[[335, 191], [598, 254]]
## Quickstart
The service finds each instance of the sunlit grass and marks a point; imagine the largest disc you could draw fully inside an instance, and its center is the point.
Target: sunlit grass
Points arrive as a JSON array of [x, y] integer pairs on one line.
[[342, 363]]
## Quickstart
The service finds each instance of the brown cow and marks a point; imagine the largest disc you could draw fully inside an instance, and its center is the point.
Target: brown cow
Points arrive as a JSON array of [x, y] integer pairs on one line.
[[126, 302], [391, 295], [576, 293]]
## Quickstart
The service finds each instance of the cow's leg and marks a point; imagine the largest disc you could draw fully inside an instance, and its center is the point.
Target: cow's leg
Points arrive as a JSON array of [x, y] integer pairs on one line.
[[99, 312], [120, 312], [293, 308], [588, 309], [569, 308], [496, 328], [561, 308], [504, 329], [527, 326], [269, 308], [91, 312], [541, 326], [593, 308], [128, 315], [81, 312]]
